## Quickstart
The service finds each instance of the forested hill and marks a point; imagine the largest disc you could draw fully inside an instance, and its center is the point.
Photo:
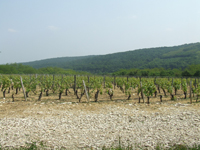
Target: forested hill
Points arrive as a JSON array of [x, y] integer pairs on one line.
[[161, 57]]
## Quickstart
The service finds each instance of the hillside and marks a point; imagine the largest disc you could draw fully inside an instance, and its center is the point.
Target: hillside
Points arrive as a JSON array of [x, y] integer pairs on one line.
[[165, 57]]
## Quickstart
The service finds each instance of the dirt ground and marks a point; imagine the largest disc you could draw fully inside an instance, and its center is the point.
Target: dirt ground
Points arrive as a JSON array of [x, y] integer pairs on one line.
[[19, 106], [67, 122]]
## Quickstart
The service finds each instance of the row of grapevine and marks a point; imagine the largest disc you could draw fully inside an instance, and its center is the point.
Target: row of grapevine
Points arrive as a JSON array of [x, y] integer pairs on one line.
[[96, 85]]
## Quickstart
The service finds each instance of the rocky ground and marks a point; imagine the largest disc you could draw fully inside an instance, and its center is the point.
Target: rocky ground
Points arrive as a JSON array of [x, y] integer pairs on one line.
[[94, 125]]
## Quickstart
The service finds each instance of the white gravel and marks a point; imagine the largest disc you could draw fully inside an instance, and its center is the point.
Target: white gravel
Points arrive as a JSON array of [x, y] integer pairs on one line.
[[78, 129]]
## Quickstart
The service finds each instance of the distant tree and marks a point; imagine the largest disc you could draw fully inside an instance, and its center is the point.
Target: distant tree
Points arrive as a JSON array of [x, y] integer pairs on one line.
[[163, 73], [197, 73], [186, 73], [145, 73]]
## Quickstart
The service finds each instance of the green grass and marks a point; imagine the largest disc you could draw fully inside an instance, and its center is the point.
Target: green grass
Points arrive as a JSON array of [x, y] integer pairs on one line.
[[33, 146], [181, 147]]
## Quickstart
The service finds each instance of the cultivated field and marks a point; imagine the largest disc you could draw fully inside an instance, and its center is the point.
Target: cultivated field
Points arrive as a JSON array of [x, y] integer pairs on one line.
[[66, 123]]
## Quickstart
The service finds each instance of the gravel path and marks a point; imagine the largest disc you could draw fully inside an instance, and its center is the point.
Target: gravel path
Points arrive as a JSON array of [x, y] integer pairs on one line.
[[80, 129]]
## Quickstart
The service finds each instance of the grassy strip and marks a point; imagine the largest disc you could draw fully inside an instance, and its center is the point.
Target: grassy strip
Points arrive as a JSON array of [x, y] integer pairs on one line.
[[175, 147], [33, 146]]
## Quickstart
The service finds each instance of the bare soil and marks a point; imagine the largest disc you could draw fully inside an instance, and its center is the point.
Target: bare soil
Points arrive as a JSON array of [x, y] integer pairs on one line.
[[50, 109]]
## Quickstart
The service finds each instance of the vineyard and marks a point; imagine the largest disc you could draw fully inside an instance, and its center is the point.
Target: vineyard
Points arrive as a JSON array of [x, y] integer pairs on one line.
[[97, 88], [92, 112]]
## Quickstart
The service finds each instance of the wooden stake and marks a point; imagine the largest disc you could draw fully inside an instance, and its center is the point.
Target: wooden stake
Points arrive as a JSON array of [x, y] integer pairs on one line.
[[114, 81], [142, 91], [88, 84], [74, 84], [104, 80], [86, 90], [190, 91], [23, 88]]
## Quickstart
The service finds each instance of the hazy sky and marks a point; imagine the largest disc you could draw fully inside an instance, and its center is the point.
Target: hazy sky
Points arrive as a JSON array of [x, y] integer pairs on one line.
[[39, 29]]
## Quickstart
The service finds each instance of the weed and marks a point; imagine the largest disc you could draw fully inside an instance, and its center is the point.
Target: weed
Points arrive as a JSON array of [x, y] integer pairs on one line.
[[33, 146]]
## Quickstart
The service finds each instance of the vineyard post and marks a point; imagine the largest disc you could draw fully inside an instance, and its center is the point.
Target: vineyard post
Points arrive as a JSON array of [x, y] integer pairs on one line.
[[36, 76], [23, 88], [88, 84], [190, 91], [127, 78], [172, 84], [86, 91], [104, 80], [114, 81], [74, 84]]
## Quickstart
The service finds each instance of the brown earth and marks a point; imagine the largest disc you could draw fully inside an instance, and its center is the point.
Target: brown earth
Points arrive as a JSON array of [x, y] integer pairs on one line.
[[9, 108]]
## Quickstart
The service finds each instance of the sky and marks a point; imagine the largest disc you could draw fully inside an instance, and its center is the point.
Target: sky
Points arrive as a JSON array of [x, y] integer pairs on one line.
[[41, 29]]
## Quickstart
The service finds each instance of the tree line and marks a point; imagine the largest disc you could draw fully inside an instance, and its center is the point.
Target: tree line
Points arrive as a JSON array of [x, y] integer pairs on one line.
[[161, 57], [192, 70], [25, 69]]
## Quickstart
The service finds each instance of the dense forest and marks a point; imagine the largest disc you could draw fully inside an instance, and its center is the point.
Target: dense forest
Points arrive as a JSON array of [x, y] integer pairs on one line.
[[192, 70], [177, 61], [24, 69], [162, 57]]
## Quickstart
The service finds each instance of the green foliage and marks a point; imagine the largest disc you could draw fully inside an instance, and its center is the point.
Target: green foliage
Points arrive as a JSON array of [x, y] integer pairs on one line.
[[16, 69], [67, 81], [163, 83], [34, 146], [79, 82], [130, 84], [54, 86], [96, 84], [61, 84], [168, 58], [149, 87], [48, 82], [150, 72], [176, 84], [192, 70], [109, 86], [27, 83], [121, 82], [23, 69], [1, 79], [186, 73], [17, 81], [198, 90], [6, 82], [41, 82], [184, 85], [109, 83], [169, 87]]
